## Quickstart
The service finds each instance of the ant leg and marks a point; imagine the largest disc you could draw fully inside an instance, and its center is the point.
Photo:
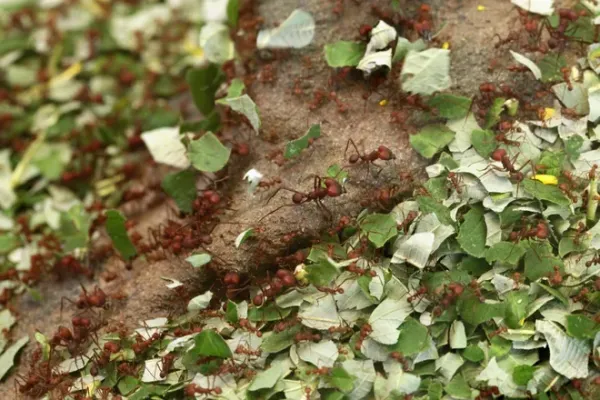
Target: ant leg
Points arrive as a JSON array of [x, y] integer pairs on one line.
[[350, 141], [275, 210], [283, 188], [329, 215]]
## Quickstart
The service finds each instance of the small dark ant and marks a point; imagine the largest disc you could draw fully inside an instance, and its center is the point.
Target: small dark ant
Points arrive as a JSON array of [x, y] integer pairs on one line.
[[382, 153]]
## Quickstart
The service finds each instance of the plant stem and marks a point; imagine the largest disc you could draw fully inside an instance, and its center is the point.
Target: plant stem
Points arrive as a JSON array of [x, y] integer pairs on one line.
[[592, 200]]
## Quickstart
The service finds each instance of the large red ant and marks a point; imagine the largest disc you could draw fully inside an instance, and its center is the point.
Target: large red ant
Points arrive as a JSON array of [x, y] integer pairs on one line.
[[382, 153], [322, 188]]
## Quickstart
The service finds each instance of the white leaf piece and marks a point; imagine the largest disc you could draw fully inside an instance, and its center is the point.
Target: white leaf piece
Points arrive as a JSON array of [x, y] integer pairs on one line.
[[200, 302], [463, 127], [448, 364], [174, 283], [386, 318], [241, 238], [416, 250], [253, 177], [426, 72], [320, 315], [364, 373], [430, 353], [72, 365], [377, 283], [353, 297], [279, 368], [577, 98], [123, 28], [215, 41], [87, 382], [496, 376], [374, 350], [493, 181], [321, 354], [521, 59], [502, 283], [381, 35], [152, 370], [568, 356], [370, 62], [494, 231], [7, 358], [458, 336], [431, 223], [198, 260], [295, 32], [7, 195], [165, 147], [7, 320], [400, 382], [226, 382], [542, 7], [245, 106], [594, 102]]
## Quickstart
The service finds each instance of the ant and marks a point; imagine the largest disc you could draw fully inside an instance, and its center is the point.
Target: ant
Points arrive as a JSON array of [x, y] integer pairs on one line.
[[382, 153], [322, 188], [405, 224], [455, 181], [192, 389], [502, 156], [96, 299]]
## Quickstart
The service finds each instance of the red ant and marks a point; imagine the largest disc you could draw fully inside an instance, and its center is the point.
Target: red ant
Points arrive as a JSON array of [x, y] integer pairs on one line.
[[382, 153], [192, 389], [96, 299], [332, 189], [405, 224], [502, 156], [455, 181]]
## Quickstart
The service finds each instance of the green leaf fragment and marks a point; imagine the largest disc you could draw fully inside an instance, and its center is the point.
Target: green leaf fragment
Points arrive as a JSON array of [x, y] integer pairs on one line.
[[181, 186], [484, 142], [522, 374], [472, 233], [344, 53], [505, 252], [198, 260], [582, 327], [341, 379], [431, 139], [517, 303], [473, 353], [115, 227], [208, 154], [379, 228], [269, 312], [203, 83], [549, 193], [458, 387], [473, 311], [209, 343], [413, 338], [450, 106], [321, 273], [540, 261], [493, 115], [274, 342], [295, 147]]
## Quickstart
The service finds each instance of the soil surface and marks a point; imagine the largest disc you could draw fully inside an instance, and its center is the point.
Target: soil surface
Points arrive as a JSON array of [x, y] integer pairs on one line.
[[471, 35]]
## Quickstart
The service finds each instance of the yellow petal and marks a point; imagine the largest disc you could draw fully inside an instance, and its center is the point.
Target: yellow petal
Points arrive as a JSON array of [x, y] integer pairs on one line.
[[546, 179], [480, 8], [446, 46], [549, 113], [383, 102], [67, 74]]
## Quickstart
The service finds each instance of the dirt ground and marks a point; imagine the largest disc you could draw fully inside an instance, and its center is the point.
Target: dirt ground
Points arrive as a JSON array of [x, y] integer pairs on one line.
[[285, 116]]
